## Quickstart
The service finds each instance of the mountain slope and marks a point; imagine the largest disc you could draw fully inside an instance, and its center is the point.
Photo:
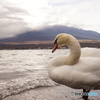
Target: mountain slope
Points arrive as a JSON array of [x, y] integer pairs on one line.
[[49, 32]]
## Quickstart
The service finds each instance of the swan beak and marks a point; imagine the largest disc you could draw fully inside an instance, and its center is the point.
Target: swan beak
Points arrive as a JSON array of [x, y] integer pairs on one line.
[[55, 47]]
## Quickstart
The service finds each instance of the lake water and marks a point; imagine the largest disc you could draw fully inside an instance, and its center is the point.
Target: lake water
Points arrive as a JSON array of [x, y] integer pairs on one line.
[[22, 70]]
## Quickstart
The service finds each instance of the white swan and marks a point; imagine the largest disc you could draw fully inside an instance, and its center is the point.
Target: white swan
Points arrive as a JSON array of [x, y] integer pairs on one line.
[[74, 71]]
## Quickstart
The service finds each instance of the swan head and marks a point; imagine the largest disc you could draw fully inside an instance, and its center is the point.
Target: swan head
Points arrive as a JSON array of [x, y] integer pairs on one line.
[[60, 40]]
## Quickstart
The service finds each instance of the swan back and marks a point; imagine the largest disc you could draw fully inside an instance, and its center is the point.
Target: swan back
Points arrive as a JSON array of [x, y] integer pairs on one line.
[[90, 52]]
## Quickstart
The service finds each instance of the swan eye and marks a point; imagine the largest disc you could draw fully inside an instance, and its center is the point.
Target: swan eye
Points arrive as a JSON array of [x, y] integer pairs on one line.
[[55, 42]]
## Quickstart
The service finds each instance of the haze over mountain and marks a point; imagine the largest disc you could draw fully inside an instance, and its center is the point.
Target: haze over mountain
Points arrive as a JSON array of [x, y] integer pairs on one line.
[[48, 33]]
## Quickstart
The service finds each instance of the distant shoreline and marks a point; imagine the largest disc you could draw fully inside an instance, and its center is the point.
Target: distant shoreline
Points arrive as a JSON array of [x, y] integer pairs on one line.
[[43, 44]]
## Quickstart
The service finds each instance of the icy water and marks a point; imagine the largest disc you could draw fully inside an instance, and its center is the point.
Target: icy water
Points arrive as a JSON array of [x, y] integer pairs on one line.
[[22, 70]]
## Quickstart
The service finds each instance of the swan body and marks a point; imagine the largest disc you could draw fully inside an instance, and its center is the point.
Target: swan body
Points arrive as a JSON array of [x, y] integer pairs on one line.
[[72, 70], [90, 52], [79, 76]]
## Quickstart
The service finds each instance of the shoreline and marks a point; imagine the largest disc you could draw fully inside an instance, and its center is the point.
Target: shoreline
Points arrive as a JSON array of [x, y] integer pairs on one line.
[[60, 92], [21, 46]]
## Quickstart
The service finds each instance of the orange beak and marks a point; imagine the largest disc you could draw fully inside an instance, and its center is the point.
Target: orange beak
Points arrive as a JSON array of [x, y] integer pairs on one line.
[[55, 47]]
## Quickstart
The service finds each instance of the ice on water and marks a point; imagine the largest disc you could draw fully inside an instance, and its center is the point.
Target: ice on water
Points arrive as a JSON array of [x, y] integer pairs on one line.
[[21, 70]]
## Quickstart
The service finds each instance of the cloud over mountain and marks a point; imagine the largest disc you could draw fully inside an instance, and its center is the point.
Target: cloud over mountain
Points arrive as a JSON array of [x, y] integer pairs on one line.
[[49, 32], [17, 16]]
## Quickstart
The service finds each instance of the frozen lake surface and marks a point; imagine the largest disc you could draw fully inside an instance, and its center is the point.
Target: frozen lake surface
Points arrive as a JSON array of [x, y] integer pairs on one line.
[[21, 70]]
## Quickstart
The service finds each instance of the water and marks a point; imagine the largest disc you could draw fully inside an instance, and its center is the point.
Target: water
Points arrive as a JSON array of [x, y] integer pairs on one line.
[[22, 70]]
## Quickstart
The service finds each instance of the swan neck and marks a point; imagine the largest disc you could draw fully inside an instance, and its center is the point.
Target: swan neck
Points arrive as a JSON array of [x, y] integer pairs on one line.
[[75, 51]]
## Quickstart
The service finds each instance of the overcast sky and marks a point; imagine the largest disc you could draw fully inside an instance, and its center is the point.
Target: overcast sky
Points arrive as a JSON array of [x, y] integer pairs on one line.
[[17, 16]]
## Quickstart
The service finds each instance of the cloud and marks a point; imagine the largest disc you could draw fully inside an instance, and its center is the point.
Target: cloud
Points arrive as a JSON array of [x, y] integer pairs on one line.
[[11, 22], [82, 14], [10, 27], [17, 16]]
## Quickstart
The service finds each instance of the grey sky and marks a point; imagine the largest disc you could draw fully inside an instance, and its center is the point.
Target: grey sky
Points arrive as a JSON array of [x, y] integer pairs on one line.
[[17, 16]]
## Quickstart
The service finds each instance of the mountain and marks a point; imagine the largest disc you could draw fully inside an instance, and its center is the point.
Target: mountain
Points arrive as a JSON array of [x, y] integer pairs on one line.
[[48, 33]]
